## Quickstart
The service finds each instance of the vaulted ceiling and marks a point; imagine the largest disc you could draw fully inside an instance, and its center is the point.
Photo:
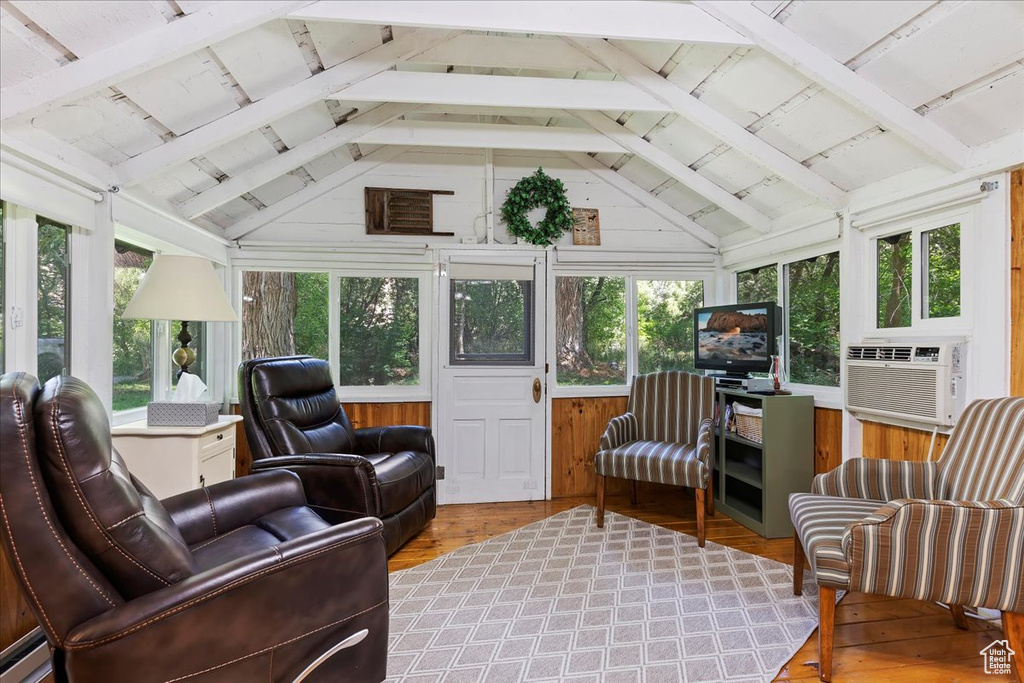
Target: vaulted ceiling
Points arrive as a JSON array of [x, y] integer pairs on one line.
[[733, 113]]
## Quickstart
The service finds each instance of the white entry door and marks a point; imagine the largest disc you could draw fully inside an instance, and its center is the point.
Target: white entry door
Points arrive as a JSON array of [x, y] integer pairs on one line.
[[491, 410]]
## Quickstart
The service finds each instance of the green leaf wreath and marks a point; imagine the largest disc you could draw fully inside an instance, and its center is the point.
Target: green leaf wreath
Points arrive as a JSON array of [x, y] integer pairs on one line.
[[535, 190]]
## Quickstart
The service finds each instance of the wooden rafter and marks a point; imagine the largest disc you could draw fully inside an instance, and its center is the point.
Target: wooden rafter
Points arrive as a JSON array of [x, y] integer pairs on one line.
[[711, 120], [662, 21], [852, 88], [137, 54], [280, 104]]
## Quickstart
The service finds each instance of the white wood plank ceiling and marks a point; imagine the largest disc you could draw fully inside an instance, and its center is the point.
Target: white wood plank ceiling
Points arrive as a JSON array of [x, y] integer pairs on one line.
[[729, 115]]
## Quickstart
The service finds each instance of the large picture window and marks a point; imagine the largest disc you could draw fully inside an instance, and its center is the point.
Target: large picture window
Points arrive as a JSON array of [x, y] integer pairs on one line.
[[757, 284], [133, 339], [895, 277], [284, 314], [590, 330], [812, 309], [53, 345], [665, 323], [379, 340], [940, 296]]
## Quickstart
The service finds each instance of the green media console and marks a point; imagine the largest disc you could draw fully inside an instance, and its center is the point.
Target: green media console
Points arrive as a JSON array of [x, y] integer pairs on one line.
[[753, 480]]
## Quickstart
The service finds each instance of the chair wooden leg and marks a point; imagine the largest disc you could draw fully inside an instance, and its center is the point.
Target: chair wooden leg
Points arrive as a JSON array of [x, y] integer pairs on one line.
[[1013, 630], [826, 630], [710, 497], [798, 565], [633, 499], [959, 618], [700, 516], [600, 501]]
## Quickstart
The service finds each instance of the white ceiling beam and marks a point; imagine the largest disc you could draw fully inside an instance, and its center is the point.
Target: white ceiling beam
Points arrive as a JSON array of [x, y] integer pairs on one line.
[[502, 91], [677, 23], [288, 161], [73, 81], [644, 198], [59, 157], [864, 96], [711, 120], [490, 136], [666, 163], [283, 102], [312, 191], [509, 52]]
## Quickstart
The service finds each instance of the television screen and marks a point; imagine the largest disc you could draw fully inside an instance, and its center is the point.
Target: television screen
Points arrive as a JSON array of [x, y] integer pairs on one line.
[[737, 338]]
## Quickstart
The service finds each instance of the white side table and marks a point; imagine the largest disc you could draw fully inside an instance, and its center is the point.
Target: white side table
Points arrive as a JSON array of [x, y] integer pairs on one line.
[[170, 460]]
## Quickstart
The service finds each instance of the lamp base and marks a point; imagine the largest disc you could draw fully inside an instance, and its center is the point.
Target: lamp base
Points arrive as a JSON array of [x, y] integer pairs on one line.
[[184, 356]]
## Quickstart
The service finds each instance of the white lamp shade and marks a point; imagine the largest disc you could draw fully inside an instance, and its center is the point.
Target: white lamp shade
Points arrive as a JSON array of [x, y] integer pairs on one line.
[[180, 288]]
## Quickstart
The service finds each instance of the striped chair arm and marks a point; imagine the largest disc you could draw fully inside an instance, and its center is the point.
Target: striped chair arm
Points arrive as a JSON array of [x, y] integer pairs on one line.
[[955, 552], [705, 444], [620, 430], [877, 479]]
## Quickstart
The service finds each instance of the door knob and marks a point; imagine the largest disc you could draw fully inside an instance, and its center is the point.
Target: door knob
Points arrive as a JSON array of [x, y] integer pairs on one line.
[[536, 390]]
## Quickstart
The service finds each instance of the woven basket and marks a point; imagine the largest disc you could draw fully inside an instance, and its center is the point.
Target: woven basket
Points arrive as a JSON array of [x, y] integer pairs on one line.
[[748, 422]]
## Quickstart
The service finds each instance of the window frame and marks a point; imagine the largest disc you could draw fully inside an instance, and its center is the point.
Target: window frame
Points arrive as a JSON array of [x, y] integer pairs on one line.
[[917, 226], [335, 270], [632, 276]]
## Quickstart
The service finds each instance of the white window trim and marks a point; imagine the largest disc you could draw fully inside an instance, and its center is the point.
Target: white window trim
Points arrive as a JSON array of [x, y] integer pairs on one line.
[[352, 393], [920, 326], [632, 276]]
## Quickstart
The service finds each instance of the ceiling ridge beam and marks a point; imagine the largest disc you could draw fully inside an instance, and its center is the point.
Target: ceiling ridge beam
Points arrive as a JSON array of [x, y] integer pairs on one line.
[[846, 84], [711, 120], [291, 159], [644, 198], [138, 54], [280, 104], [491, 136], [277, 210], [629, 20], [666, 163]]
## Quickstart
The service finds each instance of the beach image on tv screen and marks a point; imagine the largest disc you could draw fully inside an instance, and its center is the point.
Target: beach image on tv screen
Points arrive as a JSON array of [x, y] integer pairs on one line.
[[737, 335]]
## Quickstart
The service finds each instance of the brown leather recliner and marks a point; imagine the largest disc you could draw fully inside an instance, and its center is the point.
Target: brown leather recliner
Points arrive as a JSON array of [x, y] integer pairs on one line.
[[240, 581], [294, 420]]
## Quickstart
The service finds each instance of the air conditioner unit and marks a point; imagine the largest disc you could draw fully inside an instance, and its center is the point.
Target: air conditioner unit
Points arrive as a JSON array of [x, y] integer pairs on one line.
[[906, 382]]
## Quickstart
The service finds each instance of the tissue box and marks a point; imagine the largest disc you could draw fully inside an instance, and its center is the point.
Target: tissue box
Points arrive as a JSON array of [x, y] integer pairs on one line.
[[167, 414]]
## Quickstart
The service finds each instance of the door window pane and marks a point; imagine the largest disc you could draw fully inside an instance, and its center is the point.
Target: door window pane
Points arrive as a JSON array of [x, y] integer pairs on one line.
[[53, 346], [813, 310], [941, 290], [284, 314], [665, 323], [895, 274], [133, 339], [380, 331], [590, 330], [492, 321], [758, 284]]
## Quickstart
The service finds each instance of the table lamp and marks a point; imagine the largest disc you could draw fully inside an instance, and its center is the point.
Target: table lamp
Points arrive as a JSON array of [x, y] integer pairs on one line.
[[182, 288]]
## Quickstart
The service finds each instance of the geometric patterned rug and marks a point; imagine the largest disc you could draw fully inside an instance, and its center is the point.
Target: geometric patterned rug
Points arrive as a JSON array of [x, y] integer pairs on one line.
[[561, 600]]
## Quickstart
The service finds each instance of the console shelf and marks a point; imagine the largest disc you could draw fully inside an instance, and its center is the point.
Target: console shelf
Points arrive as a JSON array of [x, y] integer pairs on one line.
[[753, 480]]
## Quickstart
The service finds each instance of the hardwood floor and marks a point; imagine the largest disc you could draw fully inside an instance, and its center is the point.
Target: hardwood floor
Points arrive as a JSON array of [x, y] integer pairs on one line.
[[877, 639]]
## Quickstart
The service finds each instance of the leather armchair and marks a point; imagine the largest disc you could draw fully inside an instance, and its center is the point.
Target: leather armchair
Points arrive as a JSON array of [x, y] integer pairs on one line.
[[295, 421], [239, 581]]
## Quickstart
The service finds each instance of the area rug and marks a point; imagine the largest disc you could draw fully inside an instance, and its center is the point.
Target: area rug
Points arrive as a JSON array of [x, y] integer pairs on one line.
[[560, 600]]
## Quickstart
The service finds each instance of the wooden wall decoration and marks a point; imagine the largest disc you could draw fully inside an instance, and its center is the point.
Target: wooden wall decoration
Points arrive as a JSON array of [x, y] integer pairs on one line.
[[586, 228], [393, 211], [1017, 282]]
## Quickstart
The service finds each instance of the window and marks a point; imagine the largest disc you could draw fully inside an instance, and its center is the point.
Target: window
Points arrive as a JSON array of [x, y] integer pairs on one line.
[[665, 323], [757, 284], [284, 314], [492, 321], [812, 292], [940, 297], [53, 345], [895, 275], [197, 330], [379, 340], [133, 339], [590, 330], [3, 300]]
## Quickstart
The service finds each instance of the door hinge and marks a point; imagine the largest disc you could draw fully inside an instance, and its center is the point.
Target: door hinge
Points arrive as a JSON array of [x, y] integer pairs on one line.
[[439, 472]]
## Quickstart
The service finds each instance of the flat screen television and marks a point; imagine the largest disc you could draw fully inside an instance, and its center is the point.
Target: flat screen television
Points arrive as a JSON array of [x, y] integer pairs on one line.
[[737, 339]]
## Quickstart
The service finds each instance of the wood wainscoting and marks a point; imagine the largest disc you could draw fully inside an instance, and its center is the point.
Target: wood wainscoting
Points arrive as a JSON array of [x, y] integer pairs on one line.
[[16, 619], [890, 442], [360, 414], [1017, 283], [578, 423]]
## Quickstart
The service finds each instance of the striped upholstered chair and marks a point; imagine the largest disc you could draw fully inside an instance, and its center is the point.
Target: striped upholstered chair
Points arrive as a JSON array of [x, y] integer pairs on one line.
[[665, 437], [950, 531]]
